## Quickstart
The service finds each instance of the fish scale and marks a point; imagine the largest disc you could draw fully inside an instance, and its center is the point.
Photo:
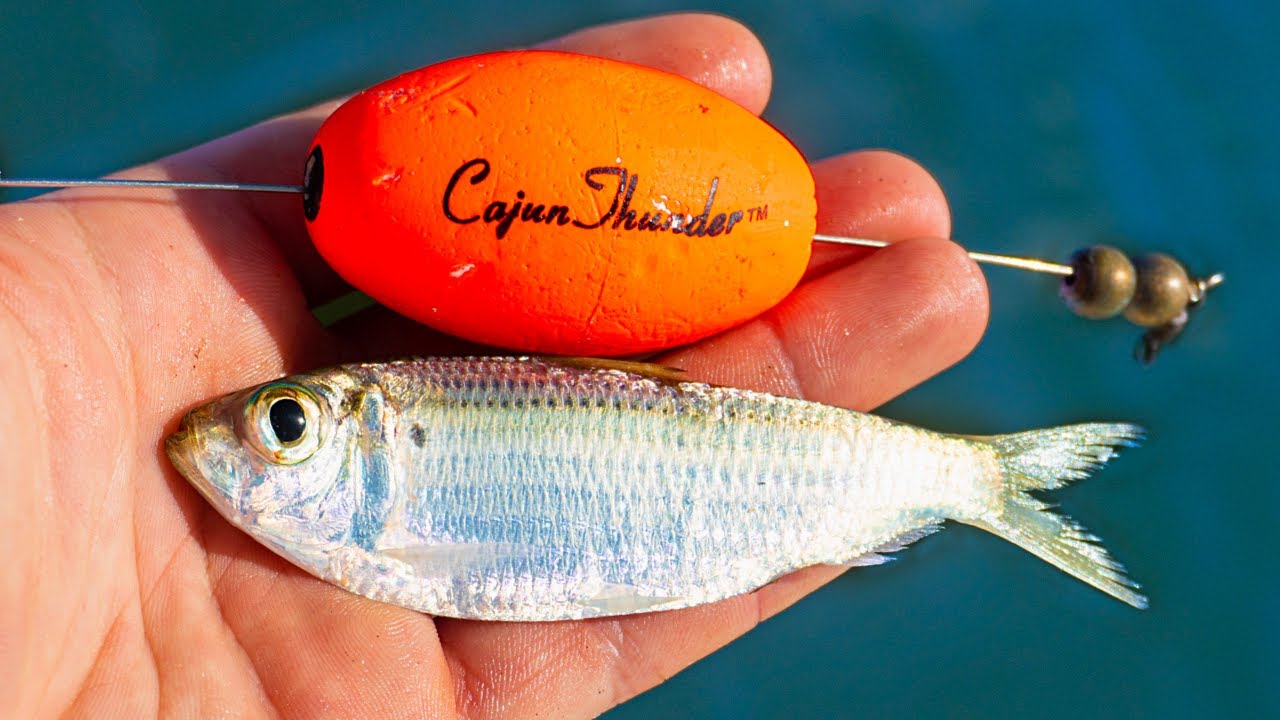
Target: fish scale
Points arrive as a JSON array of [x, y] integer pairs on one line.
[[537, 489]]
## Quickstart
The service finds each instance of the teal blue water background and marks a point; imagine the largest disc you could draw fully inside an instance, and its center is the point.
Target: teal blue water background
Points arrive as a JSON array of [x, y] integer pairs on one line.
[[1147, 124]]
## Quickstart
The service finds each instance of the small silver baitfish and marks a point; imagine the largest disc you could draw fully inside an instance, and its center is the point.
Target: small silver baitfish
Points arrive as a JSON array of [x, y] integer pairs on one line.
[[538, 489]]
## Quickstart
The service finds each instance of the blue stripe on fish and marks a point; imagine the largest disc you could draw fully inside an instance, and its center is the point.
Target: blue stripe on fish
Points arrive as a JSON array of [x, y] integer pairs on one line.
[[372, 458]]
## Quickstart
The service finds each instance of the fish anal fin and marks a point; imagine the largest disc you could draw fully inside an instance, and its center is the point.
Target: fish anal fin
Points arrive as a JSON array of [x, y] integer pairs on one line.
[[661, 373], [866, 559], [879, 554], [899, 542]]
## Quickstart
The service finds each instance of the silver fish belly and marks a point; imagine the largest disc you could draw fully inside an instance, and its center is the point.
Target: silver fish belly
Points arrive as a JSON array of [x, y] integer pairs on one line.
[[528, 489]]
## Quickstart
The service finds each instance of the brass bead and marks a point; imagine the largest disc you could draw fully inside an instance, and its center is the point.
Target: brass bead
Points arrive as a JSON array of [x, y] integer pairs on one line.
[[1101, 282], [1163, 290]]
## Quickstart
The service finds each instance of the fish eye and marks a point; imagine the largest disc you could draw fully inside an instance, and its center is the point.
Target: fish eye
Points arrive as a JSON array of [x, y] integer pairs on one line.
[[283, 423], [288, 420]]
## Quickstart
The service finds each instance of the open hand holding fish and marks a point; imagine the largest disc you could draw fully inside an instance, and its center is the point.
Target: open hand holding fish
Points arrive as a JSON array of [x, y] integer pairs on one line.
[[540, 489]]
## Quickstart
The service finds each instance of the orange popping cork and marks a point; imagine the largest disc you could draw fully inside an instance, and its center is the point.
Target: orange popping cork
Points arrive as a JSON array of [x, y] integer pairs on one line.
[[560, 203]]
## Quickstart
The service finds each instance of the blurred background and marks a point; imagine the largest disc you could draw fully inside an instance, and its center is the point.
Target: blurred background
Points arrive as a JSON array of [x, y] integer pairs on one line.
[[1050, 128]]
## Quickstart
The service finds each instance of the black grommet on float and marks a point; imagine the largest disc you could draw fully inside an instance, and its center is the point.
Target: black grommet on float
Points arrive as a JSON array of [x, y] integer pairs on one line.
[[313, 184]]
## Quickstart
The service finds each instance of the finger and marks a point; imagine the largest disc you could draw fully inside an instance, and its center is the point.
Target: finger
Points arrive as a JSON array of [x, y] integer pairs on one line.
[[709, 49], [855, 336], [877, 195], [859, 335], [866, 333]]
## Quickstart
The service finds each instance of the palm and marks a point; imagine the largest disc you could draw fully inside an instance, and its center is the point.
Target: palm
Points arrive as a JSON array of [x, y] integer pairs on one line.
[[127, 309]]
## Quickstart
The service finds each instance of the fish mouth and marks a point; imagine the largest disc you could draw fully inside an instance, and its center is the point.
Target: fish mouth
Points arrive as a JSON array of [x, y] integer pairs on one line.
[[177, 447], [194, 438]]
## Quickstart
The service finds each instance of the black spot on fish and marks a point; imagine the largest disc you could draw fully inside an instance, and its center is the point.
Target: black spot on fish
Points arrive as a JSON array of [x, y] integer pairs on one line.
[[350, 402], [418, 435]]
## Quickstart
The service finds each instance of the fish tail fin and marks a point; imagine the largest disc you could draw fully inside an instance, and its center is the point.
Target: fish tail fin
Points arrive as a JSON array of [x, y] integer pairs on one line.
[[1046, 460]]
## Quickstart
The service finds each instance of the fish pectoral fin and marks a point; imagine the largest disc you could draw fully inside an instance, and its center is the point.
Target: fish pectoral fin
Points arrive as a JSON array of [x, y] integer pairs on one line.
[[621, 599], [451, 559], [661, 373]]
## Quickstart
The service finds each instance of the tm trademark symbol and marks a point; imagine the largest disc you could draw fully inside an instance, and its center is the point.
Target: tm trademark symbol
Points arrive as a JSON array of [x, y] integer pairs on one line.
[[758, 213]]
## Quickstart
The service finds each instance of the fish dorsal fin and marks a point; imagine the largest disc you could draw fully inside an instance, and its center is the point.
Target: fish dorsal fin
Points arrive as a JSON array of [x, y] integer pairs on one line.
[[661, 373]]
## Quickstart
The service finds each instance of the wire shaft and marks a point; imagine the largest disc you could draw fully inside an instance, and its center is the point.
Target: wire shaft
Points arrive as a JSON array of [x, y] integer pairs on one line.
[[1021, 263], [169, 184]]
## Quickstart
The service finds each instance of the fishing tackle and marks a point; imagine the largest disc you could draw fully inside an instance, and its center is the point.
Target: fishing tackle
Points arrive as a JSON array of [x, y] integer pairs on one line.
[[1152, 290], [567, 204]]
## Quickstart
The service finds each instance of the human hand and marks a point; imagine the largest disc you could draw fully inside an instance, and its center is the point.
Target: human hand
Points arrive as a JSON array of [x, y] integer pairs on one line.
[[124, 593]]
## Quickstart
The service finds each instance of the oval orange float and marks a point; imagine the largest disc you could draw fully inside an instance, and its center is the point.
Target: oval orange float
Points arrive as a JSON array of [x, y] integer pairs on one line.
[[560, 203]]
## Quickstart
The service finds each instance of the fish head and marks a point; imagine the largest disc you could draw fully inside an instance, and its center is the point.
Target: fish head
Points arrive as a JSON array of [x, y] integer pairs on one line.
[[273, 460]]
